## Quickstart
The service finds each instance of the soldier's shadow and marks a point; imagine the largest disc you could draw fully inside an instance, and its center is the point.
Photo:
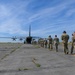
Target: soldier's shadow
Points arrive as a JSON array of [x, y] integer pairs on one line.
[[73, 54]]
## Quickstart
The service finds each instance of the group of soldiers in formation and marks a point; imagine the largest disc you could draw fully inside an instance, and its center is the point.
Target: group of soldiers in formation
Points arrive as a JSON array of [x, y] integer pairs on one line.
[[48, 42]]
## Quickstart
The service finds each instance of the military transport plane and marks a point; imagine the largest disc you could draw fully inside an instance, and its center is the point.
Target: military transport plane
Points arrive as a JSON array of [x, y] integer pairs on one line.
[[26, 39]]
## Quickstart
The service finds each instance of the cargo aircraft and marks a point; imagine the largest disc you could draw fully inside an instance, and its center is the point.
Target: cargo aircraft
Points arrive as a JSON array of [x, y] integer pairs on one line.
[[27, 39]]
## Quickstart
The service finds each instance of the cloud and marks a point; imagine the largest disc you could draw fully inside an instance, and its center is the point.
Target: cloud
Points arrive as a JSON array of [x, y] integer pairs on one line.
[[4, 12], [53, 11], [10, 21], [15, 17]]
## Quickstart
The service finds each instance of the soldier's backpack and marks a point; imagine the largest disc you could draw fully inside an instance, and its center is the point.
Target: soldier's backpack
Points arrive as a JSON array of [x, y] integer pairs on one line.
[[45, 42], [50, 40], [65, 38], [74, 36], [56, 40]]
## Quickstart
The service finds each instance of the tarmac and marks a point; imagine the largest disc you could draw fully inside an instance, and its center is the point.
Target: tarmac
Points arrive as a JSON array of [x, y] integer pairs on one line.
[[26, 59]]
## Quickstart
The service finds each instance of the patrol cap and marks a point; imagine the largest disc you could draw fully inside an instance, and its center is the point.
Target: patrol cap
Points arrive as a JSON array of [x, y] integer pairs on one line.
[[49, 35], [55, 35], [64, 31]]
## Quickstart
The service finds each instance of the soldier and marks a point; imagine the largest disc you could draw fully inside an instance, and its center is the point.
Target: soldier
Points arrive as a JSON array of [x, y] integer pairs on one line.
[[39, 41], [73, 42], [65, 38], [45, 43], [50, 42], [24, 42], [56, 42], [42, 42]]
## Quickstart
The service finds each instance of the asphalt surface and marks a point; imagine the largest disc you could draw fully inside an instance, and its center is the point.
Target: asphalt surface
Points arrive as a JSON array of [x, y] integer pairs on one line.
[[32, 60]]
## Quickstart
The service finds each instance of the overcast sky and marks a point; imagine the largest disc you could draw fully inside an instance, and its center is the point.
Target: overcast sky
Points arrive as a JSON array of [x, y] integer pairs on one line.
[[46, 17]]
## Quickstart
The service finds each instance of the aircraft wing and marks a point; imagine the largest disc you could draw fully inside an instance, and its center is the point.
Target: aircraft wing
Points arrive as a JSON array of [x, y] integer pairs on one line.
[[36, 37]]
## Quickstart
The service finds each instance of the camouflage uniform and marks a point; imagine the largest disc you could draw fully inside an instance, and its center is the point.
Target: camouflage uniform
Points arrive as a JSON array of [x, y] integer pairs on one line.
[[42, 43], [50, 43], [65, 38], [45, 43], [56, 42], [73, 42]]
